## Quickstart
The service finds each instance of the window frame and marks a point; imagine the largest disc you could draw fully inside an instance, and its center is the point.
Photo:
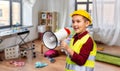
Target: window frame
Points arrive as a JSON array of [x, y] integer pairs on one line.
[[87, 4], [10, 14]]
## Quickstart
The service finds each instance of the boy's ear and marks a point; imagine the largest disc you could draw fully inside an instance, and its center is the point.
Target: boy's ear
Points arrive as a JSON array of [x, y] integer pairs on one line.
[[87, 23]]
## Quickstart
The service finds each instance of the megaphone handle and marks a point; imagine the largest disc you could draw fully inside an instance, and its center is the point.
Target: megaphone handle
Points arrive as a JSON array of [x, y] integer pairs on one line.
[[63, 50]]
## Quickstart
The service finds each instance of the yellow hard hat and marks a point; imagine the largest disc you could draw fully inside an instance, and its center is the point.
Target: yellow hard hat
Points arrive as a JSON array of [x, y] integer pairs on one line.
[[82, 13]]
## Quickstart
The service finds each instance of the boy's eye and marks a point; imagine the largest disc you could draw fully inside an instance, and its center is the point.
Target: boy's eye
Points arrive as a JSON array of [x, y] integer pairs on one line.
[[77, 21], [73, 21]]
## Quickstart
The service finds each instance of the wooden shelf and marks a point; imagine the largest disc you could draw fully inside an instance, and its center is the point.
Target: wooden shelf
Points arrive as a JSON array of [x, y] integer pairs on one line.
[[50, 19]]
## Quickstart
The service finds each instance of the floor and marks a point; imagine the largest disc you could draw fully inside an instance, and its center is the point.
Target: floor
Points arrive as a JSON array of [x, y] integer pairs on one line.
[[58, 65], [113, 50]]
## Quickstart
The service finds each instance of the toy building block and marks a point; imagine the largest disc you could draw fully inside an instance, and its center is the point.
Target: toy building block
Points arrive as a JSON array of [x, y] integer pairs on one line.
[[12, 52]]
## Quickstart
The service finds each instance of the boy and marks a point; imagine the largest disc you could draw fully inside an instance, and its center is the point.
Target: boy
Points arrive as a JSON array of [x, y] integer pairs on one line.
[[82, 49]]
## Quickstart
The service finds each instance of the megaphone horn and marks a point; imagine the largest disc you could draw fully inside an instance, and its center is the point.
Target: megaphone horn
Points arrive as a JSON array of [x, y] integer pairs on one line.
[[51, 39]]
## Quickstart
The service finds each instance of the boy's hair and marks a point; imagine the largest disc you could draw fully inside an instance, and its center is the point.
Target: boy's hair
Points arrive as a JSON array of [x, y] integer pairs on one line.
[[83, 13]]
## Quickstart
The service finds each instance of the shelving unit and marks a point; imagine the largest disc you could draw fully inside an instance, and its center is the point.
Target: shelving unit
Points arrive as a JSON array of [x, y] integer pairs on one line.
[[49, 19]]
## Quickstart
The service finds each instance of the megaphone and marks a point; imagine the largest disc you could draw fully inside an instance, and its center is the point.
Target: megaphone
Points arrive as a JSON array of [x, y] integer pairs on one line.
[[51, 40]]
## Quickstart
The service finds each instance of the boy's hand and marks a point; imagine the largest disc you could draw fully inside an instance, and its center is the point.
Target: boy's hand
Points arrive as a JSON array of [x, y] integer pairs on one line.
[[65, 46]]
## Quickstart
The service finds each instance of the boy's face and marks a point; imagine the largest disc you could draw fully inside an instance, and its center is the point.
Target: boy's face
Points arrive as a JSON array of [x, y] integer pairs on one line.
[[79, 23]]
